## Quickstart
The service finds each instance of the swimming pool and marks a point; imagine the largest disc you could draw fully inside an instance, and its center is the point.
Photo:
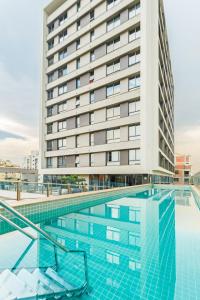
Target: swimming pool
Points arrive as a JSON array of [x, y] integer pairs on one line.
[[142, 245]]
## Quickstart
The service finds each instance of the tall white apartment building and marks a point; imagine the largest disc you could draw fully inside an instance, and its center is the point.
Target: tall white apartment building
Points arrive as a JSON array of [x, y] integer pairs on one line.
[[108, 93], [31, 161]]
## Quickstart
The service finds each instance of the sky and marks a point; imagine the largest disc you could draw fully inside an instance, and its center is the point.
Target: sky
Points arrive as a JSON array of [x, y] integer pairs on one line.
[[20, 72]]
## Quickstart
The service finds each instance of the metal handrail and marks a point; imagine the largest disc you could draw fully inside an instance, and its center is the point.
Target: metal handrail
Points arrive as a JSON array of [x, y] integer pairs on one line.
[[44, 234], [3, 218]]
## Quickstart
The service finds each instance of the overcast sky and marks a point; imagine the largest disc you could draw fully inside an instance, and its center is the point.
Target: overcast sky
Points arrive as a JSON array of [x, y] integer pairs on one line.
[[20, 57]]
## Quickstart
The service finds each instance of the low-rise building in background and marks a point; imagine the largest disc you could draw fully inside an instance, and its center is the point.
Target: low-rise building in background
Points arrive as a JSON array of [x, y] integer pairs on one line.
[[183, 169], [31, 161]]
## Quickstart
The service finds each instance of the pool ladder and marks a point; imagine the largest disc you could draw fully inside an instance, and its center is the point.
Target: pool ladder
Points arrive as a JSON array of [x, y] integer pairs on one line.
[[41, 283]]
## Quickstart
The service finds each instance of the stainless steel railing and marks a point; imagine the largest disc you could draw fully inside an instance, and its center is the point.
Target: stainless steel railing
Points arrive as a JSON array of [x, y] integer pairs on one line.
[[53, 241]]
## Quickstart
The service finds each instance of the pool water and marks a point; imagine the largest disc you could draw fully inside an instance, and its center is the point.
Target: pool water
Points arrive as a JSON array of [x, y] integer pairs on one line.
[[142, 246]]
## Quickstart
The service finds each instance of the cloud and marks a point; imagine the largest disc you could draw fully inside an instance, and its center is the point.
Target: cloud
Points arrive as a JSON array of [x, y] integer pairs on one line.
[[188, 142]]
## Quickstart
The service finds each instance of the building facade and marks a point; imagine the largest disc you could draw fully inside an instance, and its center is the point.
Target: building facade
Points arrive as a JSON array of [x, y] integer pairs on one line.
[[31, 161], [108, 93], [183, 169]]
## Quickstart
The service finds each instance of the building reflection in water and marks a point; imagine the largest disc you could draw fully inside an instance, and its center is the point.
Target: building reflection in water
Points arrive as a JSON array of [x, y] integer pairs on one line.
[[130, 244]]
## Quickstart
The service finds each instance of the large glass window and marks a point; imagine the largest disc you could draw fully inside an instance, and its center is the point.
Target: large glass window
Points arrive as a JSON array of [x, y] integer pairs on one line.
[[49, 145], [134, 10], [50, 94], [113, 23], [62, 54], [134, 156], [111, 3], [62, 89], [62, 71], [113, 67], [113, 45], [134, 82], [134, 34], [62, 125], [63, 36], [63, 18], [134, 215], [134, 107], [62, 143], [49, 162], [50, 44], [113, 89], [133, 239], [134, 132], [113, 136], [62, 107], [113, 158], [113, 113], [50, 77], [61, 161], [114, 211], [134, 58]]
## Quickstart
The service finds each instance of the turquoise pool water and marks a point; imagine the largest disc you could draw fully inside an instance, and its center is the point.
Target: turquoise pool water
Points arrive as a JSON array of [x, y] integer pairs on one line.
[[144, 245]]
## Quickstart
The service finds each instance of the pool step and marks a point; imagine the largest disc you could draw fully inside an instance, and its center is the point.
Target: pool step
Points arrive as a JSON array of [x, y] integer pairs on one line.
[[39, 284]]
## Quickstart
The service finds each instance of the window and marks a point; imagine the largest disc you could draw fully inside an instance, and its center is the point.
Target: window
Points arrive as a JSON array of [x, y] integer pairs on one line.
[[78, 25], [62, 125], [134, 156], [77, 122], [49, 128], [91, 139], [77, 101], [62, 71], [134, 10], [134, 265], [62, 143], [62, 107], [91, 77], [50, 77], [49, 162], [50, 61], [62, 54], [92, 56], [134, 58], [113, 89], [50, 94], [78, 44], [111, 3], [92, 36], [62, 89], [133, 239], [134, 34], [113, 45], [113, 136], [114, 211], [78, 5], [113, 67], [78, 82], [50, 44], [92, 160], [134, 107], [77, 161], [113, 113], [91, 118], [112, 257], [49, 146], [78, 63], [134, 132], [49, 111], [78, 141], [92, 97], [113, 234], [62, 36], [63, 18], [113, 158], [91, 15], [51, 27], [61, 161], [134, 82], [113, 23], [134, 215]]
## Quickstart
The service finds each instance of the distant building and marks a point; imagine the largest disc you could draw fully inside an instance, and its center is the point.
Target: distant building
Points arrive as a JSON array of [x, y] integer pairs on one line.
[[31, 161], [183, 169], [196, 179]]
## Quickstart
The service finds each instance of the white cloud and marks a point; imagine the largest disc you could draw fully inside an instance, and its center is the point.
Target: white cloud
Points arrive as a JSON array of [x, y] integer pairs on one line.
[[188, 142]]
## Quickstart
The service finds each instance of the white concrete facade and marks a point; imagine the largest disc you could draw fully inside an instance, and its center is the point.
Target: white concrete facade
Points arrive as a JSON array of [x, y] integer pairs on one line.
[[108, 94]]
